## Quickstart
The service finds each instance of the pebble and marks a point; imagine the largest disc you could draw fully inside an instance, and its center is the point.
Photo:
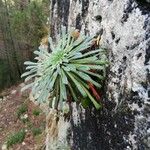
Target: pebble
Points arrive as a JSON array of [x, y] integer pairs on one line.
[[4, 98], [4, 147], [25, 116], [22, 85], [23, 143], [13, 92], [26, 130]]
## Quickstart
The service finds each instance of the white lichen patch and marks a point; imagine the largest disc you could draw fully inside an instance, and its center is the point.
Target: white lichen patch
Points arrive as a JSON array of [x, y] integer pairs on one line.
[[57, 130]]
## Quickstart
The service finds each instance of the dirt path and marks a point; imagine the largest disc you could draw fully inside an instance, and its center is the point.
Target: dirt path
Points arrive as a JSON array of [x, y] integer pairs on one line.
[[18, 113]]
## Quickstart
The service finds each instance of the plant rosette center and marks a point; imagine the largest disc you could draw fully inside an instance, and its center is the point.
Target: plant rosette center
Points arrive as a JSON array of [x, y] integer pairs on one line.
[[57, 58]]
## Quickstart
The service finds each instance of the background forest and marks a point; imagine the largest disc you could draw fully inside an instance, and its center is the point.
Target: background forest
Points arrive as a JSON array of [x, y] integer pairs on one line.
[[23, 23]]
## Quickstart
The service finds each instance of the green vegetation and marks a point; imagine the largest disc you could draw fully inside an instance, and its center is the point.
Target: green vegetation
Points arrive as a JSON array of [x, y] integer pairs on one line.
[[23, 24], [29, 125], [36, 112], [25, 120], [67, 72], [21, 110], [4, 74], [29, 23], [15, 138], [36, 131]]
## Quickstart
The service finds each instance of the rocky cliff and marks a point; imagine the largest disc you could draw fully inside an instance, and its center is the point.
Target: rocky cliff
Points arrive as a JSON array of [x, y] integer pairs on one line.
[[124, 121]]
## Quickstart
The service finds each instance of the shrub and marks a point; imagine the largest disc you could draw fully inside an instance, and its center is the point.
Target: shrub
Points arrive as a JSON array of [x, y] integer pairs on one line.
[[36, 131], [36, 112], [67, 72], [16, 138], [21, 110]]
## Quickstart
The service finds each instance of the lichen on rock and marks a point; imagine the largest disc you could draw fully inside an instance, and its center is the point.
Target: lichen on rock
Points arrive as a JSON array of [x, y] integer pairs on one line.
[[124, 26]]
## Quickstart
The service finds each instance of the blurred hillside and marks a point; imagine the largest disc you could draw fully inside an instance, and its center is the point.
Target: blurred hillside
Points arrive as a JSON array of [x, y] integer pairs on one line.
[[23, 23]]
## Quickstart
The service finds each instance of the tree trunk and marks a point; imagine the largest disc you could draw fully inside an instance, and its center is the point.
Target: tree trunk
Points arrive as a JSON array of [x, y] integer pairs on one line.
[[10, 48], [124, 121]]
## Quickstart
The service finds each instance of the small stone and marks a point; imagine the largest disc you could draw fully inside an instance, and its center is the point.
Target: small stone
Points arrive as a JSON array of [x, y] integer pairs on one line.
[[22, 85], [23, 143], [13, 92], [4, 147], [25, 116], [4, 98]]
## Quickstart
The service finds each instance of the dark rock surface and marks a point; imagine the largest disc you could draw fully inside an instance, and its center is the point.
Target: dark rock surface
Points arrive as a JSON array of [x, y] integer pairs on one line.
[[124, 122]]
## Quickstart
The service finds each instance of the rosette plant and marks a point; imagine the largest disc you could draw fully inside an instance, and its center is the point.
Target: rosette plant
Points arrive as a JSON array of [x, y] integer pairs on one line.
[[64, 74]]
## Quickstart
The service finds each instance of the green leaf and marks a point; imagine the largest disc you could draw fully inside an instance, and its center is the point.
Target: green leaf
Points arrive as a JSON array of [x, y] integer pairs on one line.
[[57, 91], [30, 77], [94, 74], [95, 67], [30, 63], [96, 104], [64, 37], [87, 60], [83, 67], [52, 80], [63, 88], [51, 44], [31, 67], [87, 78], [74, 55], [60, 96], [72, 92], [78, 85], [27, 87], [93, 52], [69, 67], [40, 54], [83, 82], [43, 96], [64, 77], [28, 73], [85, 102]]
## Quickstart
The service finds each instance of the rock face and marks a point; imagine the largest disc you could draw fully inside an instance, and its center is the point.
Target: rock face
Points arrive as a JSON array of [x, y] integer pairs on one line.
[[124, 122]]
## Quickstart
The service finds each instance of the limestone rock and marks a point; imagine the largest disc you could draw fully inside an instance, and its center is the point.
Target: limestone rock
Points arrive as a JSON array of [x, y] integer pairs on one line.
[[124, 26]]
